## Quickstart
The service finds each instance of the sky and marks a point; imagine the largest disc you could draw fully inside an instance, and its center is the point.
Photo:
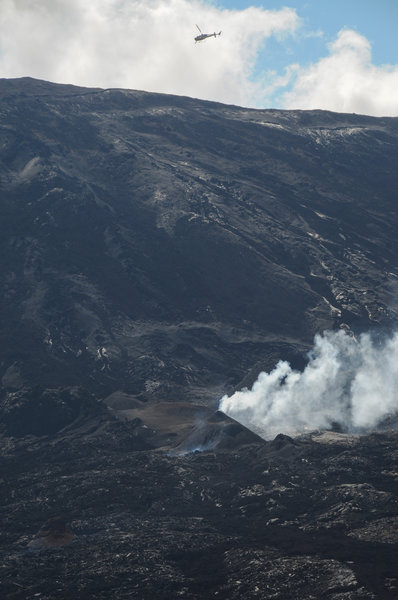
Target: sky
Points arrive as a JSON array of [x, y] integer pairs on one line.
[[339, 55]]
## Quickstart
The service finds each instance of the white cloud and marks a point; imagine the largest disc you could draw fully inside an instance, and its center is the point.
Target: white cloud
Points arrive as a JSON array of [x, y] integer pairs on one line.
[[139, 44], [148, 44], [346, 81], [347, 381]]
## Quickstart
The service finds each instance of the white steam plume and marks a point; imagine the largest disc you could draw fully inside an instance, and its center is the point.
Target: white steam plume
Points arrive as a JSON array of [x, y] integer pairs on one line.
[[353, 383]]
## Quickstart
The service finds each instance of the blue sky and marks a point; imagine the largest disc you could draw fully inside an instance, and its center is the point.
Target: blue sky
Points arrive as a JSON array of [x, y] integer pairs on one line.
[[377, 20], [340, 55]]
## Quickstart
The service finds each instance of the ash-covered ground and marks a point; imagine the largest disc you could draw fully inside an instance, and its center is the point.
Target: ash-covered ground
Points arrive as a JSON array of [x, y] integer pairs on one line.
[[156, 254], [94, 512]]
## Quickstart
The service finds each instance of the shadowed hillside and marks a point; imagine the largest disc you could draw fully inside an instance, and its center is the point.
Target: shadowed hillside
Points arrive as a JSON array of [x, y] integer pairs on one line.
[[163, 246], [156, 253]]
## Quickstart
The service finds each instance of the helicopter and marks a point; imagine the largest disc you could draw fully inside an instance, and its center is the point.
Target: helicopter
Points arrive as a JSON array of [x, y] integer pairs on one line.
[[203, 36]]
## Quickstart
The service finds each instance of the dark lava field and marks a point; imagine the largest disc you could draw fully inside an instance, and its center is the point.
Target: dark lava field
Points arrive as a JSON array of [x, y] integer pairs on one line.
[[156, 253]]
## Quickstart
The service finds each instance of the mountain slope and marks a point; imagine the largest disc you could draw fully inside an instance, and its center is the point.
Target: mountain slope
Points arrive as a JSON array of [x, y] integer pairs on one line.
[[164, 246], [155, 253]]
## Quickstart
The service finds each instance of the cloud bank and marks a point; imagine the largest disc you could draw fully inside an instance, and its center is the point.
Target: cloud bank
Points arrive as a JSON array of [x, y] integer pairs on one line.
[[139, 44], [148, 45], [345, 81], [348, 382]]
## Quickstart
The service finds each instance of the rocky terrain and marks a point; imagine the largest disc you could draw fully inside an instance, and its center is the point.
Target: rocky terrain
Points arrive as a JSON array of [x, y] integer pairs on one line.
[[156, 253], [95, 513]]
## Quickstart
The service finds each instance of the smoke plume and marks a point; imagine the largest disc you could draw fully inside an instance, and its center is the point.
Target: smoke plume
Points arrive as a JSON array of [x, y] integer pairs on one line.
[[347, 382]]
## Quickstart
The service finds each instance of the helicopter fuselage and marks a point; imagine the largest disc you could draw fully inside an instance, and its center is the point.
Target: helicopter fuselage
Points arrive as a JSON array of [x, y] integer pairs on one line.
[[203, 36]]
